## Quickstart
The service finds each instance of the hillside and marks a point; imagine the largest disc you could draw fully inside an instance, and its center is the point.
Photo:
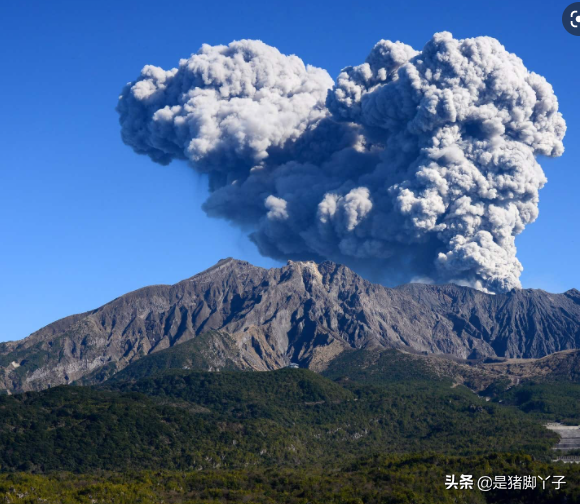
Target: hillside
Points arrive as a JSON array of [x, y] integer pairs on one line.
[[210, 351], [189, 420], [378, 366], [303, 312]]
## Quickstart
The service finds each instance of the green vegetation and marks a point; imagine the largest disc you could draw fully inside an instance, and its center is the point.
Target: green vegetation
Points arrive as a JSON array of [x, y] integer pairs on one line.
[[394, 479], [244, 394], [292, 417], [74, 428], [556, 401], [376, 428], [380, 368]]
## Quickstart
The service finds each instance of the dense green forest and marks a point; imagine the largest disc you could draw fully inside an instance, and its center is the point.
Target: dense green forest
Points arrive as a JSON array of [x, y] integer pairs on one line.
[[392, 479], [381, 368], [387, 431], [557, 401], [194, 420], [555, 398]]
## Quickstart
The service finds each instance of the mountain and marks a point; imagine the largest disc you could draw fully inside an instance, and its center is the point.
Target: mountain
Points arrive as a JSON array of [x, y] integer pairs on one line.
[[304, 312]]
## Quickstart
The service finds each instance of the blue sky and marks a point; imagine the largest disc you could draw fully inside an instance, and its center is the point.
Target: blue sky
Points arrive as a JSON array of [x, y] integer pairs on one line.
[[84, 219]]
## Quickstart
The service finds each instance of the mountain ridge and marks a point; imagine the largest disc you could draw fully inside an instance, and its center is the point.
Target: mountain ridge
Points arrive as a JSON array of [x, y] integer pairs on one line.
[[302, 312]]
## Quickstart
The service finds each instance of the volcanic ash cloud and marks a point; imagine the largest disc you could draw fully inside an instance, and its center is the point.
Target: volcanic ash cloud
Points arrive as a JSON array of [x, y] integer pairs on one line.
[[414, 164]]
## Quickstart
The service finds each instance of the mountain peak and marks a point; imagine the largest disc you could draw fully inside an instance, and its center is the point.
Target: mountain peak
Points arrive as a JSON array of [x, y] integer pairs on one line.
[[306, 267], [573, 294], [223, 265], [303, 312]]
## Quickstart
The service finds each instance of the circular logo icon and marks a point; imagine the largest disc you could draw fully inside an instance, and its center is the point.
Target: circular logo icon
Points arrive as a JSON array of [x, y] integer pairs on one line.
[[571, 18]]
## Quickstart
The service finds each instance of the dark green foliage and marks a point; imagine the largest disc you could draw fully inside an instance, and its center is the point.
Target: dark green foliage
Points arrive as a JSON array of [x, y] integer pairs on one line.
[[496, 388], [557, 401], [243, 394], [408, 479], [388, 366], [386, 431], [76, 428], [193, 420], [401, 416]]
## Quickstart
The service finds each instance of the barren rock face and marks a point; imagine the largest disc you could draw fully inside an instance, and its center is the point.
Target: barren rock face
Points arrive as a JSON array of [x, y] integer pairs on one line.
[[304, 312]]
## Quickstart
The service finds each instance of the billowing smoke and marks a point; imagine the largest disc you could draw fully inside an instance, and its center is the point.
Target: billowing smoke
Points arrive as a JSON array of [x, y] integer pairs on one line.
[[413, 165]]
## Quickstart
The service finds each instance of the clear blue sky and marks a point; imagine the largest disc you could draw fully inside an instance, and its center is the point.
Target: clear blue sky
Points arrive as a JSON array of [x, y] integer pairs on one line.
[[84, 219]]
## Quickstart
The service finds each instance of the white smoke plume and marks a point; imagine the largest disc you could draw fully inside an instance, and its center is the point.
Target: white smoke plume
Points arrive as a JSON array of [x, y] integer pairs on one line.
[[413, 165]]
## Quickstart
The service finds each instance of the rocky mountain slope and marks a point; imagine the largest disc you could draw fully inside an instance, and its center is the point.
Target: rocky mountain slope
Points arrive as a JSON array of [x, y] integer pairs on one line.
[[303, 312]]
